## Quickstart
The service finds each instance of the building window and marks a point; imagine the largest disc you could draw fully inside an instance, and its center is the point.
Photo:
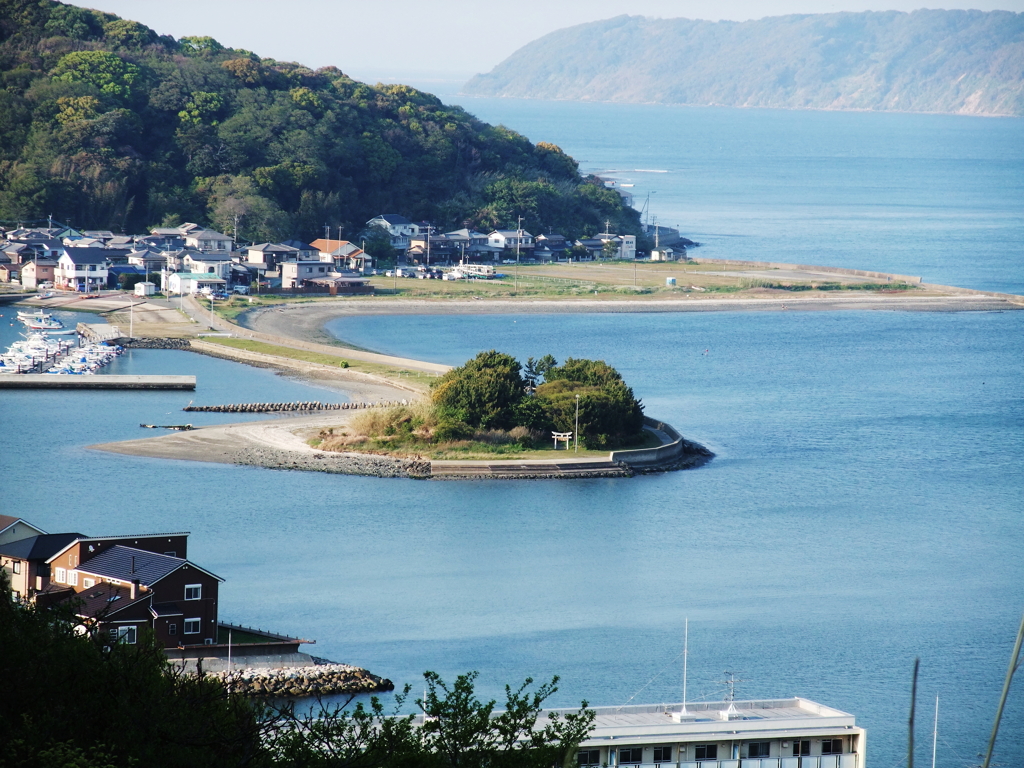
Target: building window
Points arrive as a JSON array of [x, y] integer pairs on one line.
[[588, 757], [16, 566], [192, 626], [88, 583], [759, 748], [60, 575], [663, 754], [73, 578], [801, 748], [831, 746], [193, 591], [122, 635], [172, 629], [631, 755], [15, 595], [706, 752]]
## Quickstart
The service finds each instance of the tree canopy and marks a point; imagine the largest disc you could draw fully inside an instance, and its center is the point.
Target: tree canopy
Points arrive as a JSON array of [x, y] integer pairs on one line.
[[106, 124], [491, 392]]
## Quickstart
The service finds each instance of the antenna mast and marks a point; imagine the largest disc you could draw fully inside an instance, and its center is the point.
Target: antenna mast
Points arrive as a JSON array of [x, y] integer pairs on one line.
[[686, 653]]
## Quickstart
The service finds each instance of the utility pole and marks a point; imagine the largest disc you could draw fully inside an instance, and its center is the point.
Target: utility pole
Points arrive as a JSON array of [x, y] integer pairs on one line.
[[519, 237], [576, 433]]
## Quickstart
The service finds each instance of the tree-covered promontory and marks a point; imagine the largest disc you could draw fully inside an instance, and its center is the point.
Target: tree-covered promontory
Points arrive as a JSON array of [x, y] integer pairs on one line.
[[105, 124]]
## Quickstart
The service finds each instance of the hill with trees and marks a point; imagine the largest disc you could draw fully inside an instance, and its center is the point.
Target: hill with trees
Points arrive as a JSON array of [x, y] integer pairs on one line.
[[105, 124], [965, 62]]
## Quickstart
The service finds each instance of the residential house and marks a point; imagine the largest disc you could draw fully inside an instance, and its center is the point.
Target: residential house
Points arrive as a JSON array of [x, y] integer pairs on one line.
[[39, 271], [272, 254], [25, 562], [15, 528], [208, 241], [114, 274], [10, 273], [164, 239], [149, 259], [293, 273], [207, 263], [551, 247], [81, 269], [625, 245], [126, 583], [345, 255], [594, 246], [398, 227], [188, 282], [306, 251], [512, 241]]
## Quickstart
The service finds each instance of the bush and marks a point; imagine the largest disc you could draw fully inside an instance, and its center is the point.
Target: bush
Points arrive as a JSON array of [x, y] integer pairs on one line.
[[483, 393]]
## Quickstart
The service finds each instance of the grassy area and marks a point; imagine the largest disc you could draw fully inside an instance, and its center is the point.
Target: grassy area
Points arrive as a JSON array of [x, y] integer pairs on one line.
[[417, 379]]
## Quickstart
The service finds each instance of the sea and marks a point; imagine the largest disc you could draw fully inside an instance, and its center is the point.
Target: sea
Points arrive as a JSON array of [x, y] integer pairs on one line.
[[865, 506]]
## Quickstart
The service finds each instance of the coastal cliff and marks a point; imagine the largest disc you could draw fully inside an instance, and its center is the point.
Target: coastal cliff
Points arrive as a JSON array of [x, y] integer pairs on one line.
[[964, 62]]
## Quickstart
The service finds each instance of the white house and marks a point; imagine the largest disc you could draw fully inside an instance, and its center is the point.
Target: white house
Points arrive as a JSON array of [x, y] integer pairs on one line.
[[188, 282], [399, 227], [208, 241], [209, 263], [294, 272], [81, 269], [508, 239], [626, 244]]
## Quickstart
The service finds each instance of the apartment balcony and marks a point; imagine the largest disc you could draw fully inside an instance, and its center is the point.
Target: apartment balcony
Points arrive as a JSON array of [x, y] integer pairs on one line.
[[821, 761]]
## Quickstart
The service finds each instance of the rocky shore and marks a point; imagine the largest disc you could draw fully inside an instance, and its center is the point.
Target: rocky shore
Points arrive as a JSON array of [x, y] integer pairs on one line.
[[317, 680], [168, 343], [337, 463]]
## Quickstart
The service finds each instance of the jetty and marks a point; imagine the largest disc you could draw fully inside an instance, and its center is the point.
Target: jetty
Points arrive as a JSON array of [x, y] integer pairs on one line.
[[49, 381]]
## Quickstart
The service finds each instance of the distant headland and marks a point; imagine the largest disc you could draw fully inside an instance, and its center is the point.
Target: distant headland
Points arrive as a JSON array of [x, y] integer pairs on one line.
[[957, 62]]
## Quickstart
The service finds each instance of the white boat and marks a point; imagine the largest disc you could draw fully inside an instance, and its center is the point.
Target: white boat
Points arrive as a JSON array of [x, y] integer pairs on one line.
[[40, 320]]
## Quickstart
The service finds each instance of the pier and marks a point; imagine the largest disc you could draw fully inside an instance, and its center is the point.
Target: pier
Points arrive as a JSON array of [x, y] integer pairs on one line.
[[50, 381]]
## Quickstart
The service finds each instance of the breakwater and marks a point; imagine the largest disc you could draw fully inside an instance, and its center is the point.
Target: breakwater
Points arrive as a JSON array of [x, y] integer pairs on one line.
[[106, 381], [316, 680], [297, 406]]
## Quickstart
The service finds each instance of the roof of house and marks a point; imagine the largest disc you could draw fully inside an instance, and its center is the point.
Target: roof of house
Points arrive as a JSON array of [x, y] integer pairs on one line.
[[106, 599], [211, 257], [393, 219], [165, 609], [299, 245], [207, 234], [42, 263], [86, 255], [6, 521], [38, 547], [511, 233], [207, 277], [272, 248], [128, 563]]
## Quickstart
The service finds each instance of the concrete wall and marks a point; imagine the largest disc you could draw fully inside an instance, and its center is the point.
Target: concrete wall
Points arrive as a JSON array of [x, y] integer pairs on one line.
[[652, 455]]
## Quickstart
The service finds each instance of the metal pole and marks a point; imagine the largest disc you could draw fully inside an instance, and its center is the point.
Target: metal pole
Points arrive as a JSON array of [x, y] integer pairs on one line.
[[1014, 665], [935, 731], [576, 434], [913, 704]]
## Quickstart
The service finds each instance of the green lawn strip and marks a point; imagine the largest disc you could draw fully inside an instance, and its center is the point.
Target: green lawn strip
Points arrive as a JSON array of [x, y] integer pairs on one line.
[[320, 358]]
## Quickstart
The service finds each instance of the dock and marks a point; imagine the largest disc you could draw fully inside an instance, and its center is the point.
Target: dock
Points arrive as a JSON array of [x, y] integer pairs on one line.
[[99, 381]]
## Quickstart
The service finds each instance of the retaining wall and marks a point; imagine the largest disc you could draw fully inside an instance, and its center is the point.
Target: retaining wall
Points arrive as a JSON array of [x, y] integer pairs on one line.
[[657, 455]]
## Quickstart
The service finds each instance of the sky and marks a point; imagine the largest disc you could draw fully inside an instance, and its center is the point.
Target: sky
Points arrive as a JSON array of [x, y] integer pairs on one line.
[[420, 41]]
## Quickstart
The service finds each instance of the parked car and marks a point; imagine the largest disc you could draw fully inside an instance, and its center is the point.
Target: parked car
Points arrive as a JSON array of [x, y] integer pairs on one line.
[[242, 290]]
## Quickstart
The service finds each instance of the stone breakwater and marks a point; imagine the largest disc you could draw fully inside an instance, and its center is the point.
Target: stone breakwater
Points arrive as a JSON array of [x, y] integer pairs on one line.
[[337, 463], [318, 680], [303, 406], [156, 343]]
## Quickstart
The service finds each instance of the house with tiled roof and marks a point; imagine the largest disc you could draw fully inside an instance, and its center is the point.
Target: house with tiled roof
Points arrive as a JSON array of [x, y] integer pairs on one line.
[[81, 269]]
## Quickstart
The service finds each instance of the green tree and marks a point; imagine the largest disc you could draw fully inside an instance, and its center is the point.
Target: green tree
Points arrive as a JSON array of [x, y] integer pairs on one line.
[[483, 393], [128, 34], [108, 72]]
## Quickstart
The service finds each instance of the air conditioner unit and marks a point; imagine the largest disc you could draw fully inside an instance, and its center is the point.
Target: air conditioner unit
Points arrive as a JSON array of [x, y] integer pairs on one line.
[[208, 641]]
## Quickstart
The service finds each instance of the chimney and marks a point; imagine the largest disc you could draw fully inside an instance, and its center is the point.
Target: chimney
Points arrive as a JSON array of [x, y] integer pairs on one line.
[[135, 589]]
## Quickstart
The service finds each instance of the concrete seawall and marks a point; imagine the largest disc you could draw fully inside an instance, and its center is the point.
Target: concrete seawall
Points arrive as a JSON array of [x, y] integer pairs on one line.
[[100, 381]]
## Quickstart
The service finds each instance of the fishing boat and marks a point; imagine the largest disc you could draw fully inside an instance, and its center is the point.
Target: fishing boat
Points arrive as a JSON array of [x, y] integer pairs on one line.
[[40, 321]]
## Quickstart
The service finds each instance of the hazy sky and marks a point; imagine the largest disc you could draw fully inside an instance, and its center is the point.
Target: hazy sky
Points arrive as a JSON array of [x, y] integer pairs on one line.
[[418, 39]]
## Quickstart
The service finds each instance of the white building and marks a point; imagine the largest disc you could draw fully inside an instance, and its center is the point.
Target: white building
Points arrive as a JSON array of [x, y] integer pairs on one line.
[[189, 282], [399, 227], [81, 269], [294, 272], [773, 733], [510, 238]]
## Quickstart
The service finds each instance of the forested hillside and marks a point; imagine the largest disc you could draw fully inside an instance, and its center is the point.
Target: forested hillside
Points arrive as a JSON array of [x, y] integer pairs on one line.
[[107, 125], [966, 62]]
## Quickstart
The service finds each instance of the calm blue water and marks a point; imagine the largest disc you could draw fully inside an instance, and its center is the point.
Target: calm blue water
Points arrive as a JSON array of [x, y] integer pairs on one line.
[[937, 196], [864, 508]]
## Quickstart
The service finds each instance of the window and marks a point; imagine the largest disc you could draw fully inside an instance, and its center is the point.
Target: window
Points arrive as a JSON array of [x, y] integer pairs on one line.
[[663, 754], [831, 746], [172, 629], [706, 752], [88, 583], [759, 748], [193, 591], [588, 757], [192, 626], [16, 566], [631, 755], [801, 748], [60, 575], [73, 578], [122, 635]]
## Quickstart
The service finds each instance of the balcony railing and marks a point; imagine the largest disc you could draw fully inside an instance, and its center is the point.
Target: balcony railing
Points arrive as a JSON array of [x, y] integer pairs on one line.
[[848, 760]]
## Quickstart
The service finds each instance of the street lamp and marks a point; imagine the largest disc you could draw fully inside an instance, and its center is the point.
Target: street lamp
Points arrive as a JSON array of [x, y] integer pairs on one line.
[[576, 434]]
